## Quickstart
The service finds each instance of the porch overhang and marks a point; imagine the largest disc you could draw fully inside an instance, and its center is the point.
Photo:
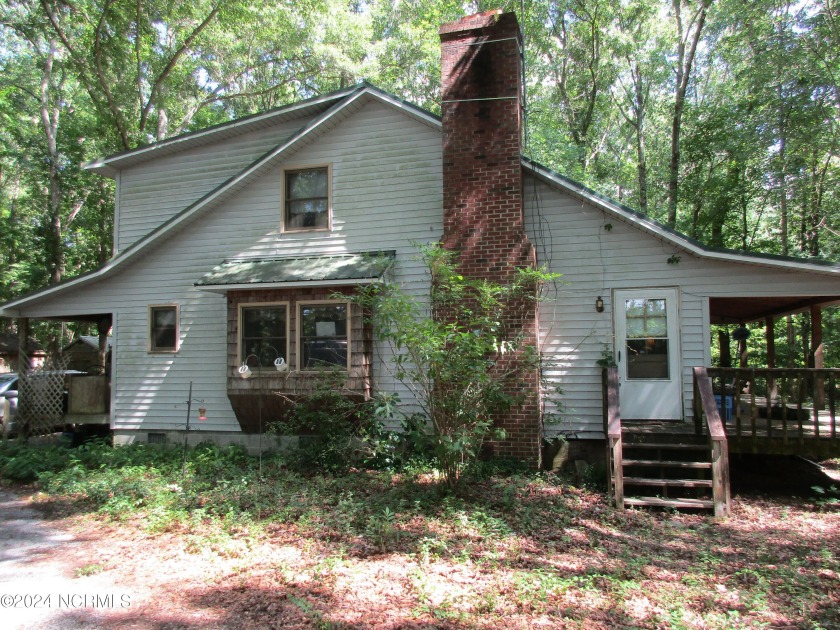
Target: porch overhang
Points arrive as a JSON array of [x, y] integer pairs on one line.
[[273, 273], [736, 310]]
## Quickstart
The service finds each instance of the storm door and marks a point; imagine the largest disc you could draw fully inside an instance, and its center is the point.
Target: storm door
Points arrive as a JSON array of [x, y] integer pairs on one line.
[[648, 354]]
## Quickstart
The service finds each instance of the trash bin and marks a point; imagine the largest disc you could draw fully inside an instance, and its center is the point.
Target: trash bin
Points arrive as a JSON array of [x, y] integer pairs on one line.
[[725, 405]]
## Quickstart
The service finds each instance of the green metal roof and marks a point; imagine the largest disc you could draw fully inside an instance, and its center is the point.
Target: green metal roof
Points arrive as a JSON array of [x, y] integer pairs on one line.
[[339, 269]]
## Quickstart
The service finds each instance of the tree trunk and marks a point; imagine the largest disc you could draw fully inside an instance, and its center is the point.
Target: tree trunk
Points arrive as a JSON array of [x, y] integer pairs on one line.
[[49, 121], [685, 61]]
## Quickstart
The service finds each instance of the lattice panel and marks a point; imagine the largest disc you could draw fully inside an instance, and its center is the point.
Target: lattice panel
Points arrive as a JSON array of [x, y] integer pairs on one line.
[[41, 396]]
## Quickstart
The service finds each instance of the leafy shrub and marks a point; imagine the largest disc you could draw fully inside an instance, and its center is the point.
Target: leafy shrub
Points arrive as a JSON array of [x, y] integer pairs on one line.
[[461, 351], [211, 460], [21, 463], [336, 430]]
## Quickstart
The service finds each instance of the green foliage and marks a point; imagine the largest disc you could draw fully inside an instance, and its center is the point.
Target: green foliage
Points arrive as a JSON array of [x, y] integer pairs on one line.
[[827, 496], [458, 352], [758, 144], [337, 430], [607, 357], [19, 463]]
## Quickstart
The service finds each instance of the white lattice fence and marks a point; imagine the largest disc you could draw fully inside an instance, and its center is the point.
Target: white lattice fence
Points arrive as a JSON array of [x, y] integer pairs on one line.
[[41, 396]]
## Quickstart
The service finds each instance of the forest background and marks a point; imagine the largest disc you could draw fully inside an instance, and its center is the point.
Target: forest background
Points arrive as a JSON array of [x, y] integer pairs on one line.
[[720, 118]]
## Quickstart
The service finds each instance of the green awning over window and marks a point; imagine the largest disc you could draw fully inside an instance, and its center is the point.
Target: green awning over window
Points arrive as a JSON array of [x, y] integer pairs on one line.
[[339, 269]]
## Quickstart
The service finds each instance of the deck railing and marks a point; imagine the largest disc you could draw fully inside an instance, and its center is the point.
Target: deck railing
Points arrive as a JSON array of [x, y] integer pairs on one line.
[[707, 421], [612, 429], [779, 410]]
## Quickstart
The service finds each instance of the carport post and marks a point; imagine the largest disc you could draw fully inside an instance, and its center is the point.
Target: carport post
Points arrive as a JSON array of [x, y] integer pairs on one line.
[[24, 361], [816, 330], [770, 334], [725, 350], [817, 356]]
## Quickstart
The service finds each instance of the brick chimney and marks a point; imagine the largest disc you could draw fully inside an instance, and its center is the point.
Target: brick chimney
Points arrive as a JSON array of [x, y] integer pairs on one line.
[[482, 182]]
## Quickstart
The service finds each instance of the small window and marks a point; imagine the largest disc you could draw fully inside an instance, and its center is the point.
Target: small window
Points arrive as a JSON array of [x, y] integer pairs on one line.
[[163, 328], [264, 334], [307, 199], [323, 336]]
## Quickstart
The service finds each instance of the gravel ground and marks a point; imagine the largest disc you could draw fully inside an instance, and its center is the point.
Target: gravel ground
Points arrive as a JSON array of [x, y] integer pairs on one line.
[[41, 581]]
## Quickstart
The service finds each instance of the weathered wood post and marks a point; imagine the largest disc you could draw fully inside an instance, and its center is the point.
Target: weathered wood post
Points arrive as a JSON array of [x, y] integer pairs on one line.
[[725, 350], [770, 335], [23, 367], [24, 361], [818, 363], [103, 327]]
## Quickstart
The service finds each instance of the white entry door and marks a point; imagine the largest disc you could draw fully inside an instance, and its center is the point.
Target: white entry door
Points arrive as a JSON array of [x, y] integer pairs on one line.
[[647, 345]]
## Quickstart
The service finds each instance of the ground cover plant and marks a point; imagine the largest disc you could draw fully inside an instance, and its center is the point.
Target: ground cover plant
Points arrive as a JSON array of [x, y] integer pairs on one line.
[[388, 549]]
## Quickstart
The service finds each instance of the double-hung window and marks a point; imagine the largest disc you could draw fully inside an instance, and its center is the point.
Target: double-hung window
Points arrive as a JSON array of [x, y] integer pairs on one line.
[[323, 335], [306, 199], [163, 328], [263, 334]]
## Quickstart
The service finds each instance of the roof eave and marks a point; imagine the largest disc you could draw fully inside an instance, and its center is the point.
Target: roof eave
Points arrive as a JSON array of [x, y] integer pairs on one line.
[[673, 237], [110, 165], [259, 286]]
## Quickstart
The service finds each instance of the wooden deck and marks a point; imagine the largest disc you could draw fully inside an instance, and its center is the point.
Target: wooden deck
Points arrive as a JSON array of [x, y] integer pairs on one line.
[[779, 411], [757, 411]]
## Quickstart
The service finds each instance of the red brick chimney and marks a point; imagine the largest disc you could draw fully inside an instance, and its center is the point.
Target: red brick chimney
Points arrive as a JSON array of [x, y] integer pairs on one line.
[[482, 180]]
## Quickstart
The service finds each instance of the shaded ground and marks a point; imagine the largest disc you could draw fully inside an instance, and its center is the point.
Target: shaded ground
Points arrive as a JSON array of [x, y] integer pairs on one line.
[[522, 554], [41, 585]]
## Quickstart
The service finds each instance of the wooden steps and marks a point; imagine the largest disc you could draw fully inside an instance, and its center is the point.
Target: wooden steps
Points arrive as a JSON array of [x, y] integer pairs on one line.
[[666, 462], [668, 483], [664, 468], [683, 465], [701, 504]]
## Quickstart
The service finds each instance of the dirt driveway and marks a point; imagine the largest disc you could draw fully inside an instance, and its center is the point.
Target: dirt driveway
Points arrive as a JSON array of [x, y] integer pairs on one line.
[[61, 572], [52, 577], [42, 584]]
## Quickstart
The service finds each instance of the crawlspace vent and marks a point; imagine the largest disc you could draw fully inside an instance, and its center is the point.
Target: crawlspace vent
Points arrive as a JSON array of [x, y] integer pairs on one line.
[[156, 438]]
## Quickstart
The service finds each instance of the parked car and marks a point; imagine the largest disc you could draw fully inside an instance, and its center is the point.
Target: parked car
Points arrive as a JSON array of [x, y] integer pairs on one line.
[[8, 403]]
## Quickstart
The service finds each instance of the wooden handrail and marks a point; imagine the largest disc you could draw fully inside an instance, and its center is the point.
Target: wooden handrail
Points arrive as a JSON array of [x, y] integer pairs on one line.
[[612, 429], [775, 372], [798, 413], [612, 411], [718, 445]]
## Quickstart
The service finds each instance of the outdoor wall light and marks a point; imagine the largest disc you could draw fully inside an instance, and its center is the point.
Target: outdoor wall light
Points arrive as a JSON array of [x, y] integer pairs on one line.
[[202, 414], [599, 305]]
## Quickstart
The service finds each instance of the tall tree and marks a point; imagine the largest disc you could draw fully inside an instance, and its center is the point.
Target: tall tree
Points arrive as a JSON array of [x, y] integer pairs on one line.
[[688, 25]]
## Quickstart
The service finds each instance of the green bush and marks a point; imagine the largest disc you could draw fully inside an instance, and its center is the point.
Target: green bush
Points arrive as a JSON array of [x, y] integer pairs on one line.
[[21, 463], [336, 430], [460, 351]]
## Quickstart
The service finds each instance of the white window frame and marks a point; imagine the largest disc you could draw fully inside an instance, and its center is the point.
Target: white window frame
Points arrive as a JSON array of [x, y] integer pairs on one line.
[[150, 347], [245, 305], [283, 188], [299, 334]]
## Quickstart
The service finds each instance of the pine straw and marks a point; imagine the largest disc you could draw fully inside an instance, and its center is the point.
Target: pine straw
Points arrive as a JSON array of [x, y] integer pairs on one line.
[[523, 552]]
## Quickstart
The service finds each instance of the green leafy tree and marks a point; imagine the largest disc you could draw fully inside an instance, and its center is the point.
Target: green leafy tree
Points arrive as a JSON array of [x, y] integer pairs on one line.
[[457, 351]]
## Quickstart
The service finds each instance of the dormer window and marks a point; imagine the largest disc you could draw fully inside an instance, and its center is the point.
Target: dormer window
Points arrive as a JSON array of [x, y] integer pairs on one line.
[[307, 199]]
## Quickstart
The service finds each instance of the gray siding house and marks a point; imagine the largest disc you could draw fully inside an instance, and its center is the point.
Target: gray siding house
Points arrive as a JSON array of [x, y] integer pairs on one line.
[[231, 242]]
